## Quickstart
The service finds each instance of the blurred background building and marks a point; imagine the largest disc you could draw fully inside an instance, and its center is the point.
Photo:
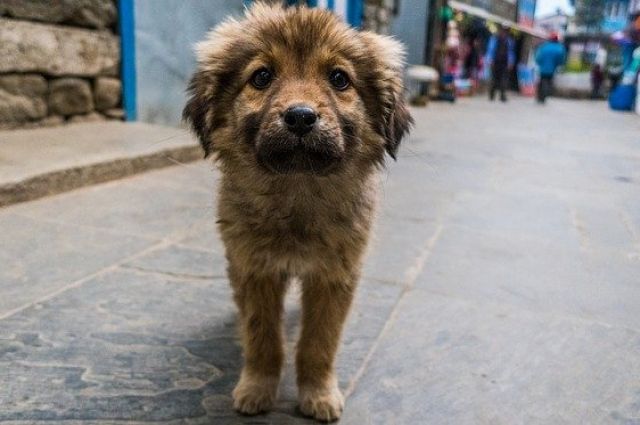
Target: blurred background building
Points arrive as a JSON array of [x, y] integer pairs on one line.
[[556, 22], [79, 60]]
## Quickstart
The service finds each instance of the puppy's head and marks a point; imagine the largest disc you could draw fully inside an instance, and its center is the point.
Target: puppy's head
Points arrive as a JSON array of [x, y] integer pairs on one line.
[[296, 90]]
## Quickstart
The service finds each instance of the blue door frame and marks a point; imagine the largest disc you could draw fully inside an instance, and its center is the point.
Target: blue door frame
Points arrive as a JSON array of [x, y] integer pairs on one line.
[[126, 24], [353, 14]]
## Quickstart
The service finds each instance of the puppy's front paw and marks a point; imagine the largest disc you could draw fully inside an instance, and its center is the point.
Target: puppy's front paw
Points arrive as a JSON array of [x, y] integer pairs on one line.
[[255, 394], [324, 403]]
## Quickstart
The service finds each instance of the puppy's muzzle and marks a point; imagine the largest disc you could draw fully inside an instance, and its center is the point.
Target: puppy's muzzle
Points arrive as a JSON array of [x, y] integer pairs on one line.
[[298, 145]]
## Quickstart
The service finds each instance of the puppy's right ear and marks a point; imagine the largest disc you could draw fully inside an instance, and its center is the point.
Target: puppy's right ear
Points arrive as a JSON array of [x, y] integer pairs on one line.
[[227, 49], [198, 113]]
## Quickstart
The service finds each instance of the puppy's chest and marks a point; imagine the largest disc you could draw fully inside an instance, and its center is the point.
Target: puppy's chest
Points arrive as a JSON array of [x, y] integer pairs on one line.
[[303, 222], [295, 228], [300, 224]]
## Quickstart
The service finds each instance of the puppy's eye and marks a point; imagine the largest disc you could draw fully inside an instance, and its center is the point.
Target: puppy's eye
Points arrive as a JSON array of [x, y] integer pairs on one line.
[[339, 79], [261, 79]]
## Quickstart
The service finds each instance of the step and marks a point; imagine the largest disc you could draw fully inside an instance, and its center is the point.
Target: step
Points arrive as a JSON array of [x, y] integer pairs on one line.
[[45, 161]]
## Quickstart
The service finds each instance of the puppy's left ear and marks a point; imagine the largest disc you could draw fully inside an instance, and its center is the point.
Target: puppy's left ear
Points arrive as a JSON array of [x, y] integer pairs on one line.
[[396, 121], [397, 126]]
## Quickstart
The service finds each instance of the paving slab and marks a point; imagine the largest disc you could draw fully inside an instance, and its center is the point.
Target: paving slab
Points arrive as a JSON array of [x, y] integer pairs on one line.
[[129, 349], [182, 261], [535, 274], [156, 205], [142, 346], [41, 258], [486, 363], [203, 235], [395, 248]]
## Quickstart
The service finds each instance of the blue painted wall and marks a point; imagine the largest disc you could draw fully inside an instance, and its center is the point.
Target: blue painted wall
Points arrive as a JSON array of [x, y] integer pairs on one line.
[[165, 33], [616, 15], [410, 27], [166, 30]]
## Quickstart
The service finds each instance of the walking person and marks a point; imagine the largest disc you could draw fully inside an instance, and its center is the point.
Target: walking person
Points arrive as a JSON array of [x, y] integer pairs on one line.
[[501, 58], [472, 63], [597, 79], [549, 56]]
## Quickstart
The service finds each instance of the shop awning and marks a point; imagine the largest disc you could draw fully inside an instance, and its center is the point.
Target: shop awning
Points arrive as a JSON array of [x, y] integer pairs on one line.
[[483, 14]]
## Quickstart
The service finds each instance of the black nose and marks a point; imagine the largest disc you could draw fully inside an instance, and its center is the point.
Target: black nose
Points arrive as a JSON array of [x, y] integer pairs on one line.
[[300, 119]]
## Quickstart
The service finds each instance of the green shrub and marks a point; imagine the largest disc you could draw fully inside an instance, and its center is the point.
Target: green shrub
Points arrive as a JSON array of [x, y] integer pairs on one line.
[[577, 66]]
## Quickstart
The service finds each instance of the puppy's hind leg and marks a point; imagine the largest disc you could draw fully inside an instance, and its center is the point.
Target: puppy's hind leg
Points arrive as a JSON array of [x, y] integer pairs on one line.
[[260, 300], [325, 305]]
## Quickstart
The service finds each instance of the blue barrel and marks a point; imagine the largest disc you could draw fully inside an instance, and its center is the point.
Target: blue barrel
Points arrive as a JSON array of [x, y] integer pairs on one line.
[[623, 97]]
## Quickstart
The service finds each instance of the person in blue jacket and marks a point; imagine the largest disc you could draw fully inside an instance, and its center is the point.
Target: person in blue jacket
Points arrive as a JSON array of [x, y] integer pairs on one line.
[[549, 56], [501, 57]]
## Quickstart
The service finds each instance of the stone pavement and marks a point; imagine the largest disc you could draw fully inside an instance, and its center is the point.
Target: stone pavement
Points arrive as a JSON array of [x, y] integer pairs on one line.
[[503, 286]]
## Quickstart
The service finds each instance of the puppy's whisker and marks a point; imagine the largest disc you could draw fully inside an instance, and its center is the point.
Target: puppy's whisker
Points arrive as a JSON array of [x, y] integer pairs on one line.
[[166, 139], [422, 158], [175, 161], [335, 127], [310, 165]]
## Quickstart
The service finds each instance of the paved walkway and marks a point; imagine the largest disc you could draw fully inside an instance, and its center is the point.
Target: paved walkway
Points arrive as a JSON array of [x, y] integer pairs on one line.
[[503, 286]]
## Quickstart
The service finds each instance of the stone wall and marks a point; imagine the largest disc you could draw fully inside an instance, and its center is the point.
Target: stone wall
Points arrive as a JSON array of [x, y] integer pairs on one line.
[[60, 62]]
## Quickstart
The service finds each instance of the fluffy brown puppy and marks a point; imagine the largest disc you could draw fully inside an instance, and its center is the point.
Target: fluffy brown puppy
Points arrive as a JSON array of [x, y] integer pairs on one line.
[[299, 110]]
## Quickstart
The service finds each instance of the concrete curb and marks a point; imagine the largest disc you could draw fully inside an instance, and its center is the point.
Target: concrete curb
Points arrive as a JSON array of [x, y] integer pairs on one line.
[[43, 162], [90, 174]]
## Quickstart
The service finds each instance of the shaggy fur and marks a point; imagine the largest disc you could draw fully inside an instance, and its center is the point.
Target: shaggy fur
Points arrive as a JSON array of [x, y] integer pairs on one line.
[[306, 219]]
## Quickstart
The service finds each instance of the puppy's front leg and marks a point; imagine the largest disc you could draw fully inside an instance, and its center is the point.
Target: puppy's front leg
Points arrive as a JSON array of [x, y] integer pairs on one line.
[[325, 304], [260, 299]]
